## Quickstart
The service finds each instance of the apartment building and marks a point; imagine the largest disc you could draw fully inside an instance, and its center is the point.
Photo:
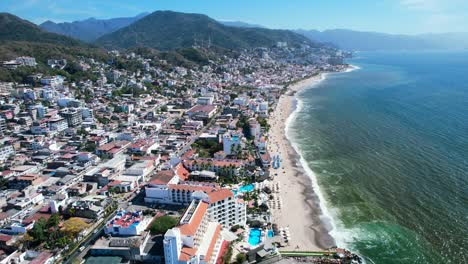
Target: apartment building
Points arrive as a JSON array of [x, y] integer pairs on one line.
[[196, 239]]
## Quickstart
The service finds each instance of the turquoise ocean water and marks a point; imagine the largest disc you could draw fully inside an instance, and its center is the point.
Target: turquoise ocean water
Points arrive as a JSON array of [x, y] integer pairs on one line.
[[388, 145]]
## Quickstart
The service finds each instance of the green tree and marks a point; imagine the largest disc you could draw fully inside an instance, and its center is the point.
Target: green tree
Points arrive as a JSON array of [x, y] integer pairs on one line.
[[3, 183], [53, 221], [226, 258], [38, 232], [162, 224], [240, 258]]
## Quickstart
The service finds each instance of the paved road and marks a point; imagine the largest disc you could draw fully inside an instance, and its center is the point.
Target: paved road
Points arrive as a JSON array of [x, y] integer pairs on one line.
[[96, 234], [87, 242], [195, 137]]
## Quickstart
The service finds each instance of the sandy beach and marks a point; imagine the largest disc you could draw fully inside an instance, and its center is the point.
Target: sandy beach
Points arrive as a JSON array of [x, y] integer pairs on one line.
[[300, 209]]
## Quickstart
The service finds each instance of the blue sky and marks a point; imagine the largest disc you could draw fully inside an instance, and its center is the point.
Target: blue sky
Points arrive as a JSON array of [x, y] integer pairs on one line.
[[390, 16]]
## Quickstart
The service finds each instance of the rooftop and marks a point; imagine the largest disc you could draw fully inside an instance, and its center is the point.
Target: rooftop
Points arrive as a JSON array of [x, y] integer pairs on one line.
[[202, 108], [125, 219], [192, 218]]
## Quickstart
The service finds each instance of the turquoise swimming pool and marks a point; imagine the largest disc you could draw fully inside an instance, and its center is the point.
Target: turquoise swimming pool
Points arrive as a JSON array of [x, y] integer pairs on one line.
[[246, 188], [270, 233], [254, 236]]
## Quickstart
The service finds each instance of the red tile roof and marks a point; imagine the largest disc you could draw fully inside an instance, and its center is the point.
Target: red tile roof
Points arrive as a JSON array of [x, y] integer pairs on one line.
[[223, 248], [114, 183], [219, 195], [188, 154], [191, 228], [213, 243], [114, 144], [182, 172], [193, 188], [35, 217], [217, 163], [42, 258], [162, 177], [202, 108], [45, 208], [186, 253], [68, 156], [5, 238]]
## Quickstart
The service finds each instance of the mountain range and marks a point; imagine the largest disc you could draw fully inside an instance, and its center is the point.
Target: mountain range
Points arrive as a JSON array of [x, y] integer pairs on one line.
[[90, 29], [371, 41], [13, 28], [165, 30], [20, 37], [240, 24]]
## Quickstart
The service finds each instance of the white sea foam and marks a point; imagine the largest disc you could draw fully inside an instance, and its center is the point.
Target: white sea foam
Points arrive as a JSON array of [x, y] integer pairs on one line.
[[329, 215], [352, 68]]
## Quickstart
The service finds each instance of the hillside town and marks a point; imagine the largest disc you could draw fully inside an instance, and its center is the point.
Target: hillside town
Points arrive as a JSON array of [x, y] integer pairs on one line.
[[153, 163]]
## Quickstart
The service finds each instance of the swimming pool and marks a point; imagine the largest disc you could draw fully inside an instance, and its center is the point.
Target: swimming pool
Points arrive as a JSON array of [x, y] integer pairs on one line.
[[270, 233], [246, 188], [254, 236]]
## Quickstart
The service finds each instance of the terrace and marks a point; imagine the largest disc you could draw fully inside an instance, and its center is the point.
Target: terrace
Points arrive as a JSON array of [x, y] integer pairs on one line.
[[125, 219]]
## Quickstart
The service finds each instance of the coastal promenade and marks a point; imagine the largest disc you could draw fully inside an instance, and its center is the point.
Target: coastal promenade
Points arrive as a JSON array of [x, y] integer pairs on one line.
[[300, 211]]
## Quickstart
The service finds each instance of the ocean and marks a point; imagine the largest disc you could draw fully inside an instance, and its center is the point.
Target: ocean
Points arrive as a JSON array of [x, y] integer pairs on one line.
[[387, 145]]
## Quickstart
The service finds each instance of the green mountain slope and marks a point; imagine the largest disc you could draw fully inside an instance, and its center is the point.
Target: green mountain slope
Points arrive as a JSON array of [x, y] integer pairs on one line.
[[167, 30], [90, 29], [20, 37], [13, 28]]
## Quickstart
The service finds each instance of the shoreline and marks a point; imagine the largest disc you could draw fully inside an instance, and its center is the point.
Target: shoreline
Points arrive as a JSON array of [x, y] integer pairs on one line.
[[303, 212]]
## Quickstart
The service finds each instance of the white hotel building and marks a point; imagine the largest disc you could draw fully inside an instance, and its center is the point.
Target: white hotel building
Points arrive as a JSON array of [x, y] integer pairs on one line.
[[196, 240], [223, 206]]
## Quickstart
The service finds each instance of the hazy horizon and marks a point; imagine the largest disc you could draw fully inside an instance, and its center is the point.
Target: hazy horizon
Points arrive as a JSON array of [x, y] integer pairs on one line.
[[259, 25], [407, 17]]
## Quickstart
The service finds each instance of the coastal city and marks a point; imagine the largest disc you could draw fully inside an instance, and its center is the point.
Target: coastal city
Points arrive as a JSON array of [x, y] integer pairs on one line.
[[143, 160], [233, 132]]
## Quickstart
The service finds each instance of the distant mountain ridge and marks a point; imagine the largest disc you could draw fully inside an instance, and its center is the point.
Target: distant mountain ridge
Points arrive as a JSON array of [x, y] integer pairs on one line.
[[20, 37], [240, 24], [90, 29], [371, 41], [166, 30], [13, 28]]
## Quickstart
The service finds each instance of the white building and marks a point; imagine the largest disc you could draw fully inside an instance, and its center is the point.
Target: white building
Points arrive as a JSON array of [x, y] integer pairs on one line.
[[16, 227], [223, 206], [205, 100], [231, 142], [140, 170], [5, 152], [26, 61], [52, 81], [127, 224], [240, 101], [196, 240], [86, 112], [58, 124], [254, 129]]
